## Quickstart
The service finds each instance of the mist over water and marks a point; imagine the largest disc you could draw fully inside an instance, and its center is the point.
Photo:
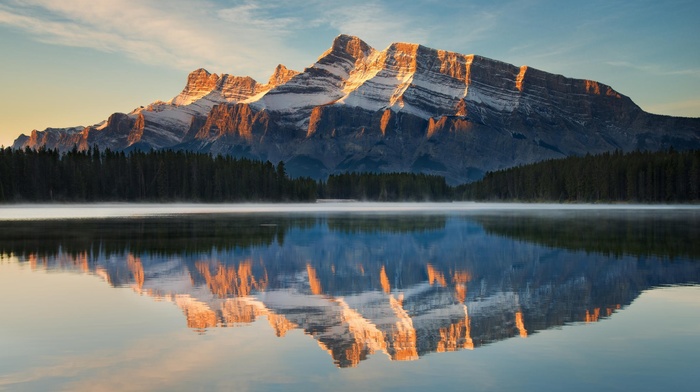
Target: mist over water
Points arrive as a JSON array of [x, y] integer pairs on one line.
[[121, 210]]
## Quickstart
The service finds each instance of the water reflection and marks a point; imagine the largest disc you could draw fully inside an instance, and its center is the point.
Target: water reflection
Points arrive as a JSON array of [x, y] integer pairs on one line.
[[400, 285]]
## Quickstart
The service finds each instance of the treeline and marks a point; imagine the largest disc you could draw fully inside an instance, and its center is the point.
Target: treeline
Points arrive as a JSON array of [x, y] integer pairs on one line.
[[94, 175], [165, 176], [386, 187], [649, 177]]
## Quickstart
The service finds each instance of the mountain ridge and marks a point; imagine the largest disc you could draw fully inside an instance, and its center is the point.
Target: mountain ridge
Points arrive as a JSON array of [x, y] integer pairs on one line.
[[405, 108]]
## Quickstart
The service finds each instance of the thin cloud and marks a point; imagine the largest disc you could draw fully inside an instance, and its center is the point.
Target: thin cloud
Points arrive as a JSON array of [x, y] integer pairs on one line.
[[251, 37], [375, 24], [74, 34], [260, 16], [184, 35], [655, 69], [181, 34]]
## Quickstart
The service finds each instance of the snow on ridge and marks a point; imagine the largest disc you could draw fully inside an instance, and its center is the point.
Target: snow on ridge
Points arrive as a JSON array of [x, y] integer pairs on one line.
[[376, 81], [405, 77]]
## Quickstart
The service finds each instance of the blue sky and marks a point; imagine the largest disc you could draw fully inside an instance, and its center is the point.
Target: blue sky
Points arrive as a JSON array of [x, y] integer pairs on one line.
[[74, 62]]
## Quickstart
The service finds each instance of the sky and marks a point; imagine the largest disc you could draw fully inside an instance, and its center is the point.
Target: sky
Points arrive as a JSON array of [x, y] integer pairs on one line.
[[75, 62]]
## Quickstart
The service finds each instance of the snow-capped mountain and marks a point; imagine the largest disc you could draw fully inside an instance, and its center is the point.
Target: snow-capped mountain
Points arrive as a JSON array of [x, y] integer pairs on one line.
[[405, 108]]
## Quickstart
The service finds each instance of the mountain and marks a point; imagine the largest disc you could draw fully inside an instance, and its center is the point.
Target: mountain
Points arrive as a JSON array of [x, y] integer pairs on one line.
[[405, 108]]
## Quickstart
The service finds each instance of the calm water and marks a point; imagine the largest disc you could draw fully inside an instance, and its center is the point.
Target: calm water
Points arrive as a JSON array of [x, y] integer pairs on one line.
[[349, 297]]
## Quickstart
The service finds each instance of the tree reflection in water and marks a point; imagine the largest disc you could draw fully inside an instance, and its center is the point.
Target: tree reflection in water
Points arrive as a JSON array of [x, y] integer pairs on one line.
[[403, 285]]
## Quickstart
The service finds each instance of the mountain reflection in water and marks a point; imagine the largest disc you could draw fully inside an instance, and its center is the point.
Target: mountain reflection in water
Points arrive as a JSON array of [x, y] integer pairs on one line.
[[398, 284]]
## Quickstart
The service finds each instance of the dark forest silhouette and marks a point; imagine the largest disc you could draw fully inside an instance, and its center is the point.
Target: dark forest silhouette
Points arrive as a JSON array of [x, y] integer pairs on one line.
[[167, 176]]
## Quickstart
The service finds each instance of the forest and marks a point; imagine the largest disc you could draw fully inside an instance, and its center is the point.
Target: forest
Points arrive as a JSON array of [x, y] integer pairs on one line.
[[170, 176], [386, 187], [163, 176], [640, 176]]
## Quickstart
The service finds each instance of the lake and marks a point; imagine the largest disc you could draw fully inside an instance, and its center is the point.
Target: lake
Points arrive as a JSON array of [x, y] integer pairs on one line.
[[349, 296]]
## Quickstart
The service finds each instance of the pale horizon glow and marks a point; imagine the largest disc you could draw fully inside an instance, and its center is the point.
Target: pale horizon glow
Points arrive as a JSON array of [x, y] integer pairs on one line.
[[75, 62]]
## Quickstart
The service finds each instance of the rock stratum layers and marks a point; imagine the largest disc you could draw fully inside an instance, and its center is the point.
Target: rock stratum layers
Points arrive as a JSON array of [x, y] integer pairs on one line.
[[405, 108]]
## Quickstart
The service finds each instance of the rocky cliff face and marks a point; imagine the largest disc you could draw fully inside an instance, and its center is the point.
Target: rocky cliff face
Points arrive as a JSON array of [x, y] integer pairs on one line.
[[405, 108]]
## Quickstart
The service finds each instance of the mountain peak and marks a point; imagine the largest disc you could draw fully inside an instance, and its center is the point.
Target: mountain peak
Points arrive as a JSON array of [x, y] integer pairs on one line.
[[199, 83], [404, 47], [281, 75], [344, 39], [199, 72], [349, 45]]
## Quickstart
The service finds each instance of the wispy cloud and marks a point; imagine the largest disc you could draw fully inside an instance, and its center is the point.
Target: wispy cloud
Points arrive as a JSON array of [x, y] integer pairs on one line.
[[238, 36], [259, 16], [375, 23], [656, 69], [180, 34], [248, 37], [551, 52], [242, 37]]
